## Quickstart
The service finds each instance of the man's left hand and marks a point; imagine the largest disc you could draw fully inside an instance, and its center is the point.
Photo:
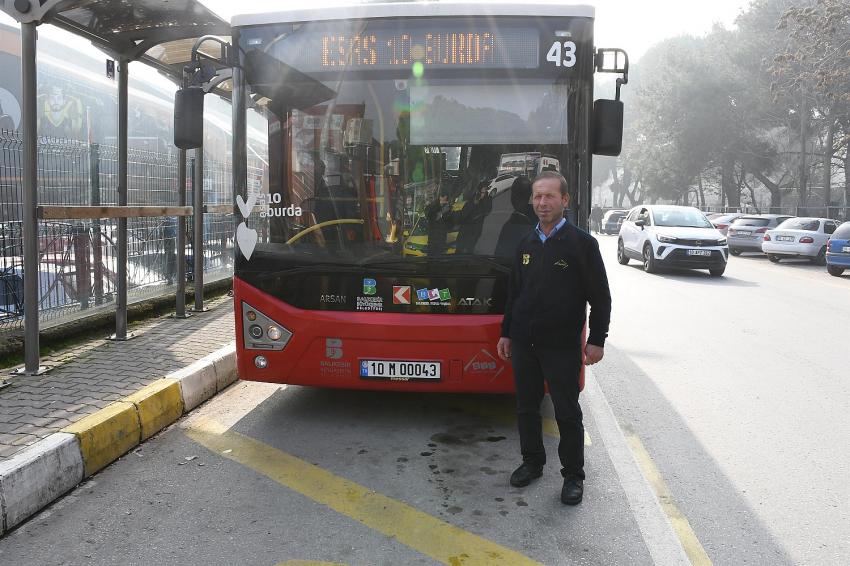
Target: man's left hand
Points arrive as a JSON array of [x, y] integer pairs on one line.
[[593, 354]]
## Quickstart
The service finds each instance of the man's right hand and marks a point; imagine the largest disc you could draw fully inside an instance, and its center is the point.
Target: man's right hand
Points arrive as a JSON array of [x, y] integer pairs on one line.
[[503, 348]]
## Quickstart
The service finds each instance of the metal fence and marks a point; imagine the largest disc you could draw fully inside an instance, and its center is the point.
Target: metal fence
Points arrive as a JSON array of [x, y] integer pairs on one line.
[[841, 213], [78, 259]]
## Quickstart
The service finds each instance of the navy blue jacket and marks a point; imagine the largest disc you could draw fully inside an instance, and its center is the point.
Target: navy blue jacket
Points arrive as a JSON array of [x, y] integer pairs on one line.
[[550, 286]]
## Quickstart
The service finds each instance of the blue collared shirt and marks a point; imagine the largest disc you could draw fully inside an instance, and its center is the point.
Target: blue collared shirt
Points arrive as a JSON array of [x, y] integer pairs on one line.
[[543, 237]]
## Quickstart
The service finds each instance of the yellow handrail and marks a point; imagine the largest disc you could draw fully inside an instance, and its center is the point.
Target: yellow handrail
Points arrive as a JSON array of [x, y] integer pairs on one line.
[[321, 225]]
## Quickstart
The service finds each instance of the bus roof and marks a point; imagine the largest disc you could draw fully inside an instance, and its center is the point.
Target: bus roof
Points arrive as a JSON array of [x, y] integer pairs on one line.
[[300, 12]]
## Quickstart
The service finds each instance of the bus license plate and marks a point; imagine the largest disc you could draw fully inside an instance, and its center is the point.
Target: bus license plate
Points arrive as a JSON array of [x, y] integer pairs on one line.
[[846, 249], [399, 370], [699, 252]]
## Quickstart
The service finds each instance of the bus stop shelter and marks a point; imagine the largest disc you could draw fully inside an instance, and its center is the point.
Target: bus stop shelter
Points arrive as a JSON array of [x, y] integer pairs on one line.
[[160, 33]]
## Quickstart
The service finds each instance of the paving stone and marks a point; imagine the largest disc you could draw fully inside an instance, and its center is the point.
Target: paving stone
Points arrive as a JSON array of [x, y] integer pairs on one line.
[[93, 375]]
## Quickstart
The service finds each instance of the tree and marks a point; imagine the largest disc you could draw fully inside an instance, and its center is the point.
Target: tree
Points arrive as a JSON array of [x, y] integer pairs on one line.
[[816, 64]]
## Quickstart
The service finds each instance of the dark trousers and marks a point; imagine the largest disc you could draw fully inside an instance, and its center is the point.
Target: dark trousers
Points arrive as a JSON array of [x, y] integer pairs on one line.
[[560, 368]]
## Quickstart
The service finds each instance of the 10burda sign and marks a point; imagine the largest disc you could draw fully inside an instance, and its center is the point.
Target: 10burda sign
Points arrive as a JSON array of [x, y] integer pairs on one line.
[[271, 206]]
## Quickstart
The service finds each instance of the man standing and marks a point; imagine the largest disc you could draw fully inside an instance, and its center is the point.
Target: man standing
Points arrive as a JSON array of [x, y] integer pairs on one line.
[[557, 270], [596, 219]]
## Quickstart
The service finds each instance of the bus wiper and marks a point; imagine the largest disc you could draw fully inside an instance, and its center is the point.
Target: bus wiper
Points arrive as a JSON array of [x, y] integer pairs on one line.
[[331, 268], [312, 268], [449, 259]]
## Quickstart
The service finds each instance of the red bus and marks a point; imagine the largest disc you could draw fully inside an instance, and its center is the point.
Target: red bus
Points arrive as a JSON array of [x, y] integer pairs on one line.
[[382, 117]]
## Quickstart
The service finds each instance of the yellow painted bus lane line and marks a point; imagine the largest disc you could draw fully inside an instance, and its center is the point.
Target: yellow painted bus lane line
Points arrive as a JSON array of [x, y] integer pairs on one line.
[[420, 531], [681, 526]]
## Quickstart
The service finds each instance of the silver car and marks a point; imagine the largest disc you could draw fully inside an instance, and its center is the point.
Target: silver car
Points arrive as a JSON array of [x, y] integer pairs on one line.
[[799, 237], [746, 233], [723, 221]]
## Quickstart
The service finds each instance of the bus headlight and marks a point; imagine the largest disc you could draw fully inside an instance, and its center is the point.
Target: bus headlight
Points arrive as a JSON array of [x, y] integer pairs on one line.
[[274, 333], [261, 332]]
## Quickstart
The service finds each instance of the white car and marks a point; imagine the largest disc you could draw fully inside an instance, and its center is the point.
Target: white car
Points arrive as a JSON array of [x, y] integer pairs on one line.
[[672, 236], [501, 183], [799, 237]]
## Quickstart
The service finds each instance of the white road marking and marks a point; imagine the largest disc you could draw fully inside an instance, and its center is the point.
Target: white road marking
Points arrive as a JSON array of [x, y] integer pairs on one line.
[[655, 528]]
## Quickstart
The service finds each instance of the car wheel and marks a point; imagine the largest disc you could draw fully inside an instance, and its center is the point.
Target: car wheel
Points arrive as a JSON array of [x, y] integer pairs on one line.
[[820, 259], [717, 271], [649, 259], [773, 257], [835, 270], [734, 252], [622, 258]]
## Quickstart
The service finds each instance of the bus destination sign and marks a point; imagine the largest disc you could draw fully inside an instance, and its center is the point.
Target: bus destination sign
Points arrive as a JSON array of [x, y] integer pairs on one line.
[[432, 47]]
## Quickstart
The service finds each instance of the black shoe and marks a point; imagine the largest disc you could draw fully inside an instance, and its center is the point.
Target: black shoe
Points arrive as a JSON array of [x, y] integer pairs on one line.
[[523, 475], [572, 491]]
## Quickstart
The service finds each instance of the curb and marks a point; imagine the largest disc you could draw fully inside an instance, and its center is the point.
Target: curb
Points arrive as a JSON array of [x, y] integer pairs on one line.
[[43, 472]]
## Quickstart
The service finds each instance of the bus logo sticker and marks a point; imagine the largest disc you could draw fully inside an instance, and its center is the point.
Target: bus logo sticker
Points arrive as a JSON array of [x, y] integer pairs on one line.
[[401, 294], [246, 239], [370, 286], [332, 366], [422, 294], [445, 295], [333, 348], [484, 363], [475, 302], [434, 294]]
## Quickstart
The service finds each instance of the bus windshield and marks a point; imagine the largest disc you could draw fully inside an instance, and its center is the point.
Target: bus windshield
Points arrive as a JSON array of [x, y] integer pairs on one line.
[[375, 156]]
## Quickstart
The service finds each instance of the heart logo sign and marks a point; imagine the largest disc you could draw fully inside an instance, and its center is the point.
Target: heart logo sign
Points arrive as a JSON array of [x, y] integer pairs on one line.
[[246, 239], [246, 208]]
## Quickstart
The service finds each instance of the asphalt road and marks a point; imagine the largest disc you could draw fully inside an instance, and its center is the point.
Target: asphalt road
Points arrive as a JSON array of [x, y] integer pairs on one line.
[[717, 427], [738, 388]]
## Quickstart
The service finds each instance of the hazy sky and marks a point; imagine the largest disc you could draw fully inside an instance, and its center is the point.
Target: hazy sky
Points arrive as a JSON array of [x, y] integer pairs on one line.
[[633, 26]]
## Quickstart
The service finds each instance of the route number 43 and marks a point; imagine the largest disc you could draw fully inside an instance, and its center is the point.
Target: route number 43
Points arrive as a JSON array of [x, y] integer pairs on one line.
[[562, 54]]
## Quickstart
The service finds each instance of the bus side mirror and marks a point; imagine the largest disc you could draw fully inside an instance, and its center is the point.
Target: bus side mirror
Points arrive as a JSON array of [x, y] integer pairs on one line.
[[607, 127], [189, 118]]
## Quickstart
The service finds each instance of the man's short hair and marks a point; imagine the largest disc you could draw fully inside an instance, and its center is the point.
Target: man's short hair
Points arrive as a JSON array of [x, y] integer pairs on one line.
[[557, 176]]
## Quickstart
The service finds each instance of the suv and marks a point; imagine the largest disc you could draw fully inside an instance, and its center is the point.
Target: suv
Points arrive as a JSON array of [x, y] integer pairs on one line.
[[672, 236]]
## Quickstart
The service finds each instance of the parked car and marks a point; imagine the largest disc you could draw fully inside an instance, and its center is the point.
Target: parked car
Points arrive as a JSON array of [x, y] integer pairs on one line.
[[799, 237], [612, 220], [723, 221], [747, 233], [672, 236], [501, 183], [838, 250]]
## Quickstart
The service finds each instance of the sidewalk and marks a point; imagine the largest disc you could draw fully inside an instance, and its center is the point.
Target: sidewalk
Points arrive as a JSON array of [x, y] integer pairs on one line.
[[89, 377]]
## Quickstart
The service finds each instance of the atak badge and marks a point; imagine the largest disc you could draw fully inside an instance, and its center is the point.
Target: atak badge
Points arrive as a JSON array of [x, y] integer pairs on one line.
[[526, 259]]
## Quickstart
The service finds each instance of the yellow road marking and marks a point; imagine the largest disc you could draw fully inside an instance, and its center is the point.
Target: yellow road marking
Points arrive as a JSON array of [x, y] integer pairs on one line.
[[437, 539], [696, 553], [550, 428]]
